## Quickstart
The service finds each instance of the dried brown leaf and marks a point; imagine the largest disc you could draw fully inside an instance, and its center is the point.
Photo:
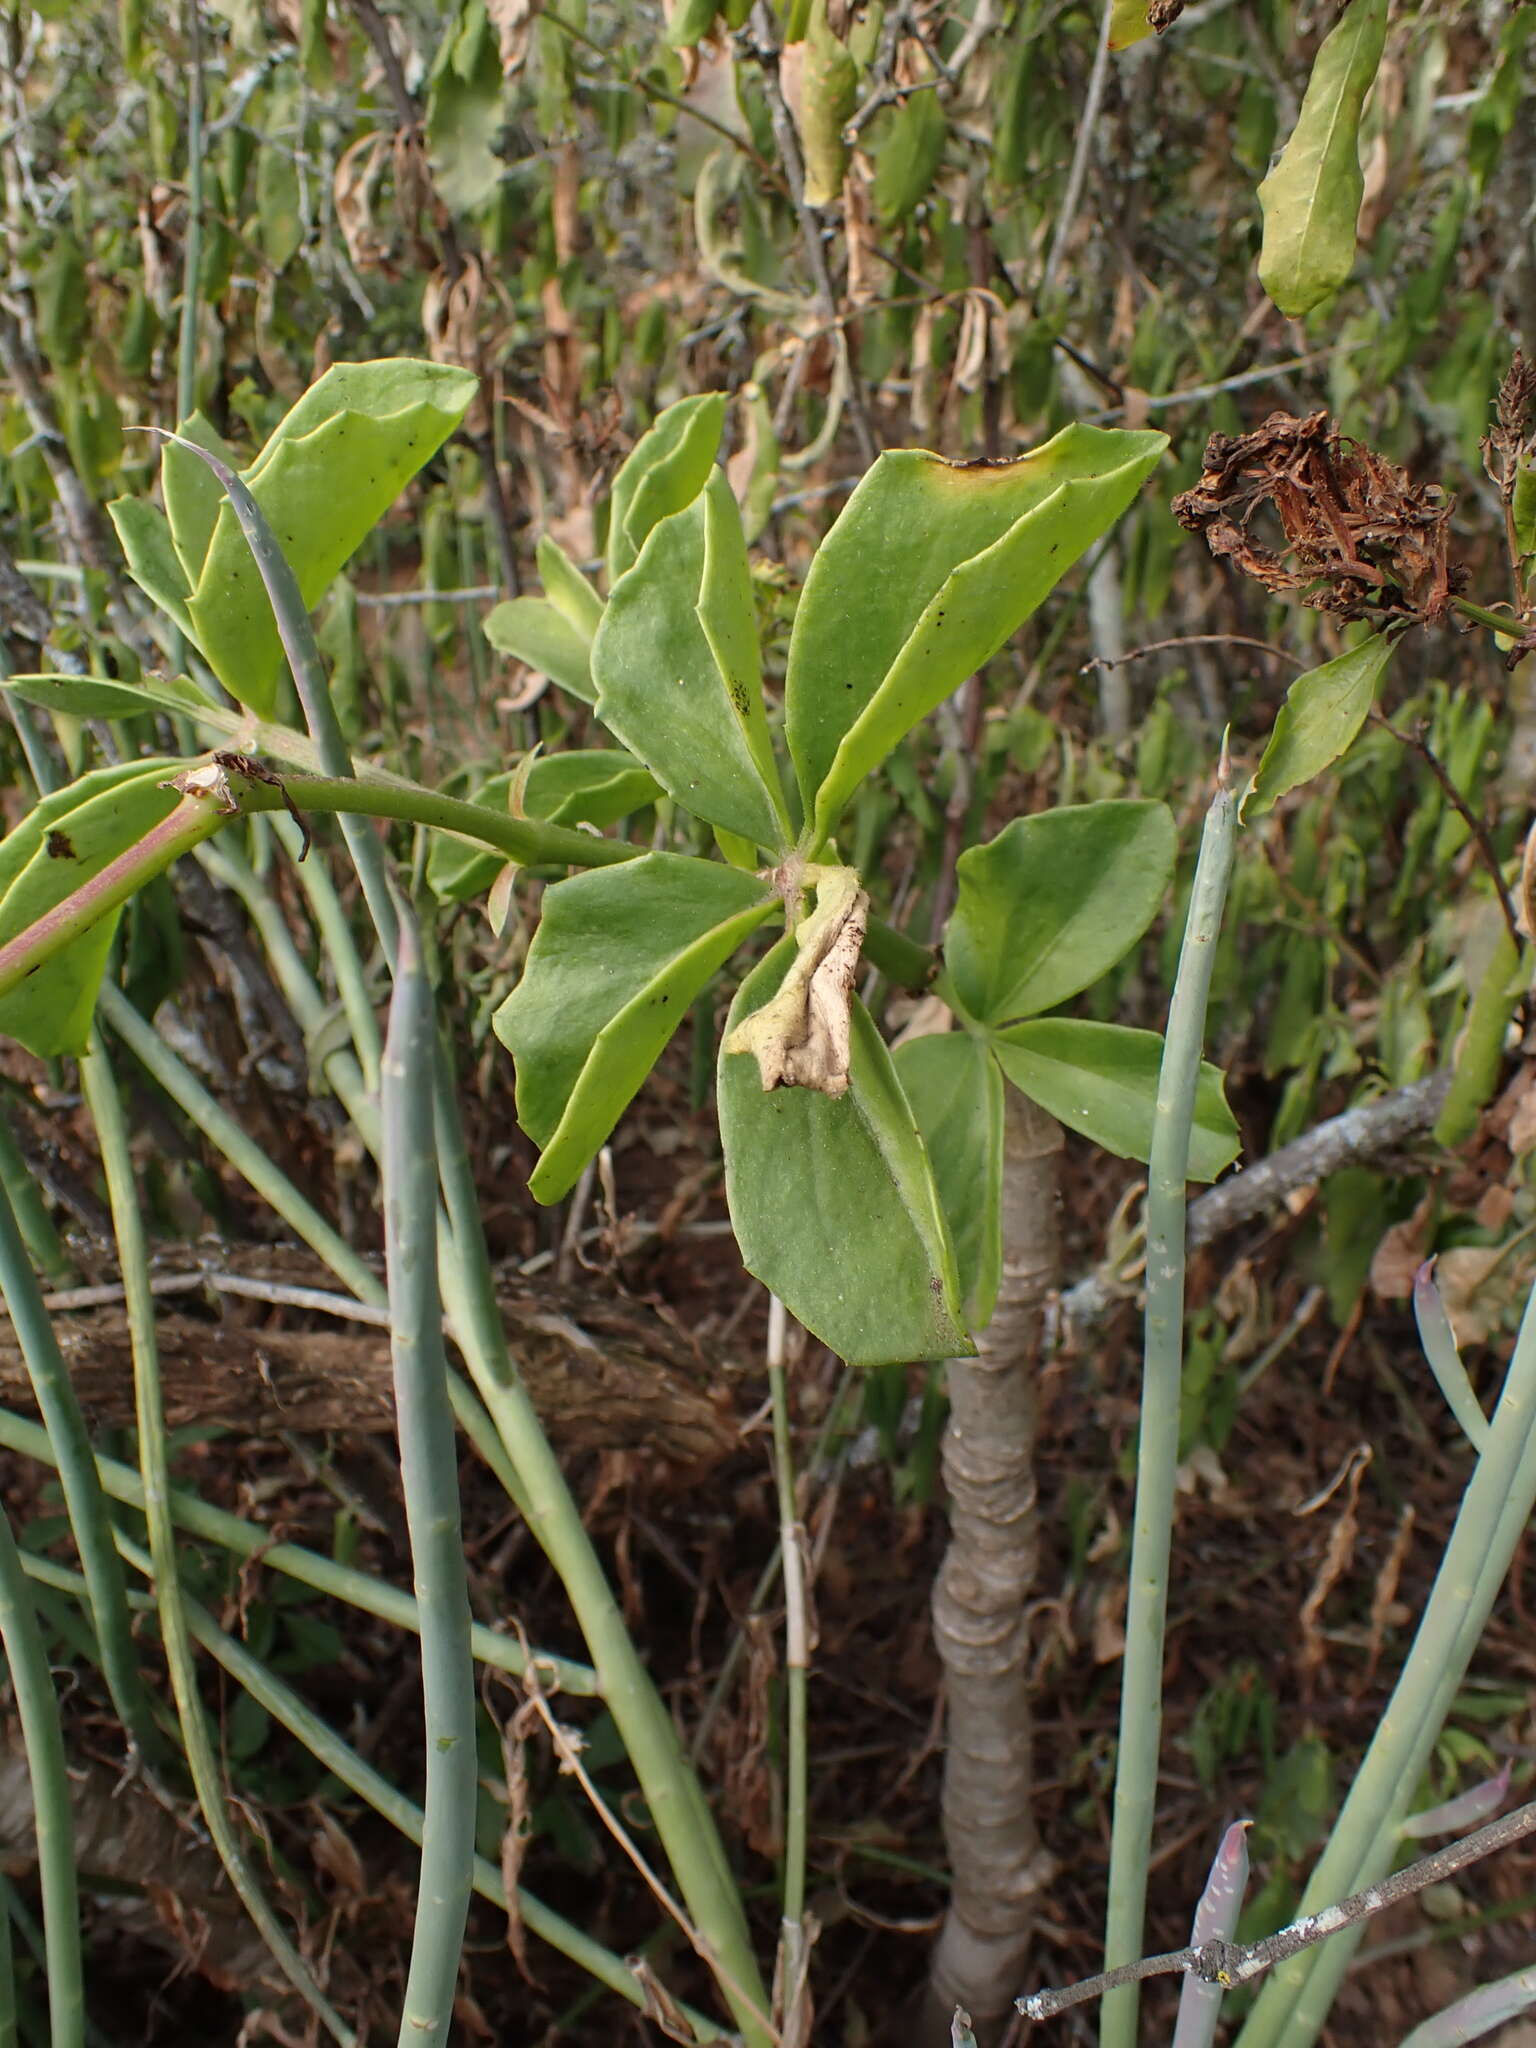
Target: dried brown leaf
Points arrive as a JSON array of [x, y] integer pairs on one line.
[[800, 1037], [513, 22]]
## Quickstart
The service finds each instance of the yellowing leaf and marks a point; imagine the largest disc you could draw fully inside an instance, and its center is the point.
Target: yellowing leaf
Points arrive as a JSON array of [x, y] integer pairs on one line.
[[1311, 199]]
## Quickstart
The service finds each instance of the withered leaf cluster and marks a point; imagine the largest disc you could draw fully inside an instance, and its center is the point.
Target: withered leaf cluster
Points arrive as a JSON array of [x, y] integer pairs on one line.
[[1359, 539]]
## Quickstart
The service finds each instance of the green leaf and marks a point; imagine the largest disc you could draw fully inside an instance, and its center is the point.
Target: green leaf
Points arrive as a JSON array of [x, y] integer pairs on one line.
[[1322, 712], [619, 955], [1128, 23], [62, 842], [193, 495], [587, 786], [1053, 902], [676, 665], [691, 23], [1522, 506], [465, 113], [531, 629], [928, 570], [331, 470], [89, 697], [1311, 199], [576, 788], [279, 220], [1479, 1055], [956, 1091], [829, 90], [906, 143], [1100, 1080], [153, 562], [568, 590], [663, 473], [833, 1200]]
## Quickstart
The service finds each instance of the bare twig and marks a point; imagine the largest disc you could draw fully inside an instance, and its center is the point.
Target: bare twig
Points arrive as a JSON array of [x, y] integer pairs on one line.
[[1197, 394], [1418, 743], [1359, 1134], [1191, 640], [1229, 1963], [765, 48], [1087, 130]]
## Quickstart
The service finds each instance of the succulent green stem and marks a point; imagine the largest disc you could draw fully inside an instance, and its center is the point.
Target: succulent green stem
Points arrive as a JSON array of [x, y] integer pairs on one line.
[[105, 1104], [1141, 1710], [83, 1499], [293, 1561], [338, 1757], [53, 1812], [429, 1471]]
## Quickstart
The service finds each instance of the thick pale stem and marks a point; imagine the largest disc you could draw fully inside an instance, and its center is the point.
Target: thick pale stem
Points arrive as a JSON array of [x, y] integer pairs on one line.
[[979, 1604]]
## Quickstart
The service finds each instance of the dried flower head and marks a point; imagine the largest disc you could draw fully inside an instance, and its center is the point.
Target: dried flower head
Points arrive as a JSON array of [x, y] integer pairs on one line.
[[1359, 539]]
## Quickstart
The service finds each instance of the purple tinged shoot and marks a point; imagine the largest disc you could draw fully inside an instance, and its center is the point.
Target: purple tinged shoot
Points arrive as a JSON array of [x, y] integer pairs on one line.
[[1221, 1902], [1478, 2013], [1216, 1919], [1468, 1809], [1438, 1340]]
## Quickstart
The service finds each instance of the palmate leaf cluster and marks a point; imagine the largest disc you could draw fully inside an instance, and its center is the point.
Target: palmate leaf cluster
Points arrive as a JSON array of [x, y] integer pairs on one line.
[[833, 1192], [928, 571]]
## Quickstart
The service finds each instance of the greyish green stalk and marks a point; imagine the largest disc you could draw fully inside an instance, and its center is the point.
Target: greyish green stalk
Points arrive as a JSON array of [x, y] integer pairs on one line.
[[429, 1474], [201, 814], [7, 1975], [192, 239], [243, 1153], [678, 1808], [45, 1248], [338, 1757], [305, 1567], [89, 1521], [344, 1074], [1141, 1695], [794, 1551], [105, 1105], [677, 1805], [1495, 1511], [38, 1709]]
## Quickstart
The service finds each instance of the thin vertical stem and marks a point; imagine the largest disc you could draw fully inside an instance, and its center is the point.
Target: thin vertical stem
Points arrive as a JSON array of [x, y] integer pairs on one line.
[[1141, 1701], [797, 1657], [430, 1481], [1490, 1523], [678, 1808], [1087, 125], [84, 1501], [105, 1105], [192, 242], [38, 1708], [8, 2036]]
